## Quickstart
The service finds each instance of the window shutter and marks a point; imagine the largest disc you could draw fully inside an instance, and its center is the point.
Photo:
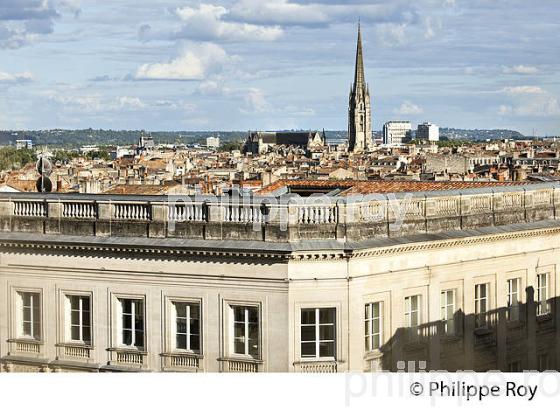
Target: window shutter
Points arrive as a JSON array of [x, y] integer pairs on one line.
[[173, 326], [67, 320], [118, 327], [19, 315]]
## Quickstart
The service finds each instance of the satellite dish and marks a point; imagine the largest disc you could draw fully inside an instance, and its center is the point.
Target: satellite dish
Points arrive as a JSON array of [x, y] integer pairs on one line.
[[44, 166], [44, 184]]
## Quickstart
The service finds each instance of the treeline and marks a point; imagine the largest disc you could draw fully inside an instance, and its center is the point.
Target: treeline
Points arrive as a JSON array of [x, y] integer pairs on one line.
[[14, 159]]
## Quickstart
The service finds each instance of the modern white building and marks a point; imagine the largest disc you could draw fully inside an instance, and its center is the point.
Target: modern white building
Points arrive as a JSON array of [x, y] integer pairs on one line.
[[213, 142], [24, 144], [427, 131], [468, 279], [396, 132]]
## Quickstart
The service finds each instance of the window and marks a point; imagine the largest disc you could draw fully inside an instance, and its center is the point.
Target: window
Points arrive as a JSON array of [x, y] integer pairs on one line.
[[514, 366], [481, 304], [29, 310], [78, 319], [318, 333], [542, 362], [513, 289], [132, 323], [186, 326], [374, 326], [543, 305], [245, 330], [412, 311], [448, 311]]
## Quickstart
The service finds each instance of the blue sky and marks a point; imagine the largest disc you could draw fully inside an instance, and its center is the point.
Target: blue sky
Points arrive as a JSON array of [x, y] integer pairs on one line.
[[277, 64]]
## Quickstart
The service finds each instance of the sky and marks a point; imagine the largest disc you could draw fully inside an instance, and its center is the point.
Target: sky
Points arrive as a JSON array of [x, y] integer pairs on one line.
[[277, 64]]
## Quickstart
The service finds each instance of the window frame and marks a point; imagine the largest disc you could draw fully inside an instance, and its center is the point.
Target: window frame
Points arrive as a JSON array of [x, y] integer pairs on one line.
[[118, 319], [18, 329], [409, 312], [171, 325], [513, 306], [67, 318], [546, 302], [478, 314], [317, 325], [369, 336], [229, 332], [444, 306]]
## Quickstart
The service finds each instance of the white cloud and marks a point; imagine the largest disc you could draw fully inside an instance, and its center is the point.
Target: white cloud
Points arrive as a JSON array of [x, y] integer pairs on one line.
[[255, 101], [195, 63], [520, 69], [545, 106], [132, 103], [16, 78], [391, 34], [207, 22], [408, 108], [93, 103], [211, 87], [316, 13], [25, 21], [429, 29], [523, 89]]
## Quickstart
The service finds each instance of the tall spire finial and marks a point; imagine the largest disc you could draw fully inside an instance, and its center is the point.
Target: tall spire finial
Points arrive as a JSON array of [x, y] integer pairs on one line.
[[359, 78]]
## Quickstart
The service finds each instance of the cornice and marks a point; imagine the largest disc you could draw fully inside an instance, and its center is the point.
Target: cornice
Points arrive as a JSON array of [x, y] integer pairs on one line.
[[345, 251]]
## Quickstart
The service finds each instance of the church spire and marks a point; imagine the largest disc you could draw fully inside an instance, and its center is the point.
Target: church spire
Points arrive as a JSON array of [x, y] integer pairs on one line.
[[359, 78]]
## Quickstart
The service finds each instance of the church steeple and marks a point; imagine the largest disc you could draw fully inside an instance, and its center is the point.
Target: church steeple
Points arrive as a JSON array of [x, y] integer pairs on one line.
[[359, 110], [359, 77]]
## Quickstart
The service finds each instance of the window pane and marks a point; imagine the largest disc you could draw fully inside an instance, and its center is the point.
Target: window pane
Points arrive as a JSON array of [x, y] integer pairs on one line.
[[194, 326], [127, 322], [195, 343], [254, 332], [238, 346], [308, 349], [126, 305], [181, 309], [26, 314], [326, 332], [238, 314], [181, 326], [181, 341], [326, 349], [376, 342], [308, 333], [75, 332], [139, 342], [195, 311], [87, 334], [239, 330], [308, 316], [253, 315], [37, 329], [85, 318], [127, 337], [326, 315], [253, 347], [75, 317], [74, 302]]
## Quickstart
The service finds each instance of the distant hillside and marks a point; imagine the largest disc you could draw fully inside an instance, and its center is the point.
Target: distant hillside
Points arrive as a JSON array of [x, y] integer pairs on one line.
[[459, 134], [78, 138]]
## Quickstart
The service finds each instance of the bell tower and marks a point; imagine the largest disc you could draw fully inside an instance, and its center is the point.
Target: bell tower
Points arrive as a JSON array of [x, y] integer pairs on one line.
[[359, 106]]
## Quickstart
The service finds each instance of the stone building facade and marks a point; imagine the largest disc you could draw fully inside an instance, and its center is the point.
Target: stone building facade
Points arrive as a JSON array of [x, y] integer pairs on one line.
[[468, 280]]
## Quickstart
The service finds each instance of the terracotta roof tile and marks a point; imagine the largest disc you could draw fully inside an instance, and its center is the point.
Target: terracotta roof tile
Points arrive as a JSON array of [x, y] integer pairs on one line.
[[382, 187]]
